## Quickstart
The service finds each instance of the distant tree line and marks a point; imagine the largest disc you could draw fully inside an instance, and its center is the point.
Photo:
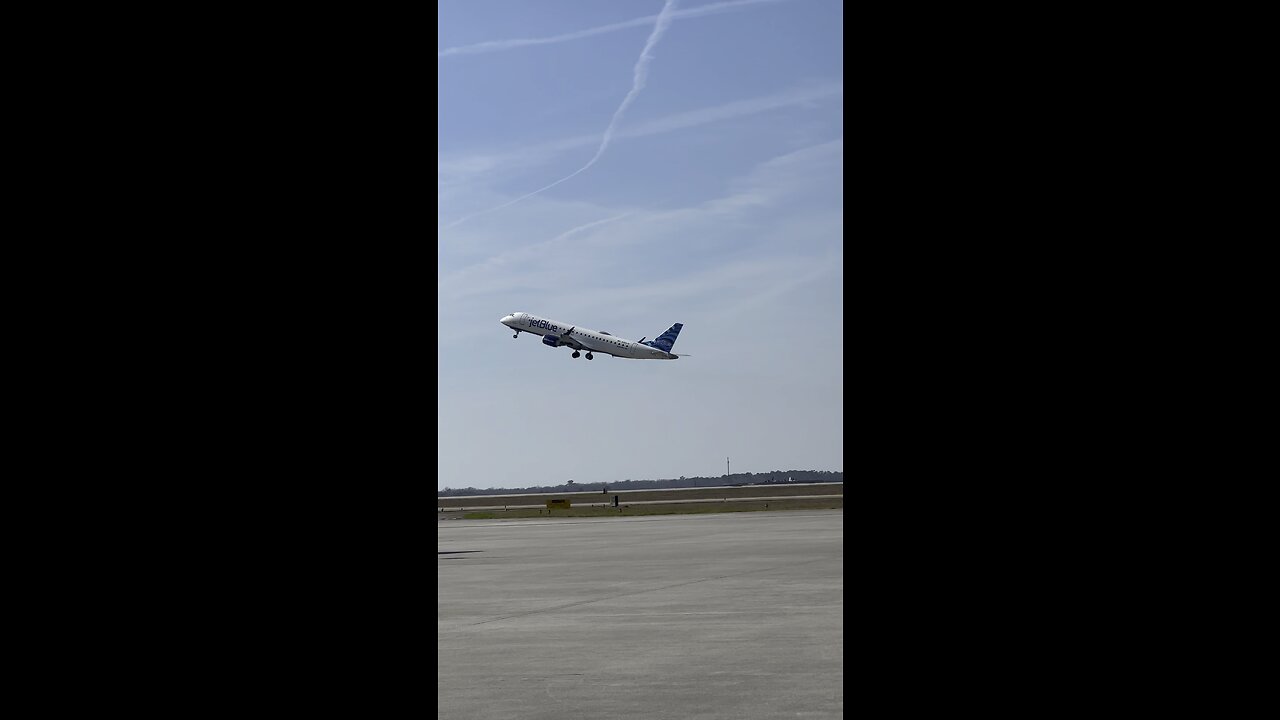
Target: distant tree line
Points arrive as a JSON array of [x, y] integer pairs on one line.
[[775, 477]]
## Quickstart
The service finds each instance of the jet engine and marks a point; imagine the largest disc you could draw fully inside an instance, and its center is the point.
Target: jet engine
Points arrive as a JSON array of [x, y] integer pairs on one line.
[[552, 340]]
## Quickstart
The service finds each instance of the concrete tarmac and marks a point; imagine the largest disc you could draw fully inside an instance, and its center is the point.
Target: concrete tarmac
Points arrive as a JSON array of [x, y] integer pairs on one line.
[[724, 616]]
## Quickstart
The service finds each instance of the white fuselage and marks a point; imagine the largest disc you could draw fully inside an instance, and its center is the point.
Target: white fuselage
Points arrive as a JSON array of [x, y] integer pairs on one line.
[[593, 341]]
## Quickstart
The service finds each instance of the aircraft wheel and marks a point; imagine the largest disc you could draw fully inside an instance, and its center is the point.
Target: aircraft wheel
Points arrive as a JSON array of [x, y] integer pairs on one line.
[[516, 335], [576, 353], [588, 356]]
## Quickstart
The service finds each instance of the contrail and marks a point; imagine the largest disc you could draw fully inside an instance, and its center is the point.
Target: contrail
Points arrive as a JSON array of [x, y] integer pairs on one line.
[[641, 74], [570, 233], [500, 45], [527, 251], [805, 95]]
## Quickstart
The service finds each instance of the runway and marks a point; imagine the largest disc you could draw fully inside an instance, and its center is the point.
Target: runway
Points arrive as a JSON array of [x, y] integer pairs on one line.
[[735, 615]]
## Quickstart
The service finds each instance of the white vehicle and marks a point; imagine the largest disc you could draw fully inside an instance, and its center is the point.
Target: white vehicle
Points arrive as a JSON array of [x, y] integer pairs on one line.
[[558, 334]]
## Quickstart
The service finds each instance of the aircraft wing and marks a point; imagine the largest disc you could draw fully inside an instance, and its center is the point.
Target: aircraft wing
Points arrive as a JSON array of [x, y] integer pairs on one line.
[[585, 343], [581, 342], [567, 339]]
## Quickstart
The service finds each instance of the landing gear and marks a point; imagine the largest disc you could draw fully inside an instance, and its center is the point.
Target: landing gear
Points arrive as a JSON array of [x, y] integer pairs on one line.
[[576, 353], [588, 356], [516, 335]]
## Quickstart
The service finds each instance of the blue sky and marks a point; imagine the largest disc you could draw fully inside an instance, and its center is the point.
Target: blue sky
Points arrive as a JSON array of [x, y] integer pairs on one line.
[[717, 202]]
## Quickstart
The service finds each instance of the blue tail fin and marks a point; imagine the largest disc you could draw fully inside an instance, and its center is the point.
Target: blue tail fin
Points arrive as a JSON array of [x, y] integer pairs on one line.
[[664, 341]]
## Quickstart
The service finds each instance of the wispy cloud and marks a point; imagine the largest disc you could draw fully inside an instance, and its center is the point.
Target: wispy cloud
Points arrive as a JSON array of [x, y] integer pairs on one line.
[[459, 169], [501, 45], [529, 252], [804, 96], [573, 258], [641, 73]]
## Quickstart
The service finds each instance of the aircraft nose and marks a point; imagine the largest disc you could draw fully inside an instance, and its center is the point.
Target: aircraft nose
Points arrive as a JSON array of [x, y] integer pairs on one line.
[[506, 319]]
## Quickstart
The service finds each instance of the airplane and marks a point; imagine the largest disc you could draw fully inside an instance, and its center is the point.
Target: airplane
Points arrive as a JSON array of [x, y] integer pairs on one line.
[[558, 334]]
